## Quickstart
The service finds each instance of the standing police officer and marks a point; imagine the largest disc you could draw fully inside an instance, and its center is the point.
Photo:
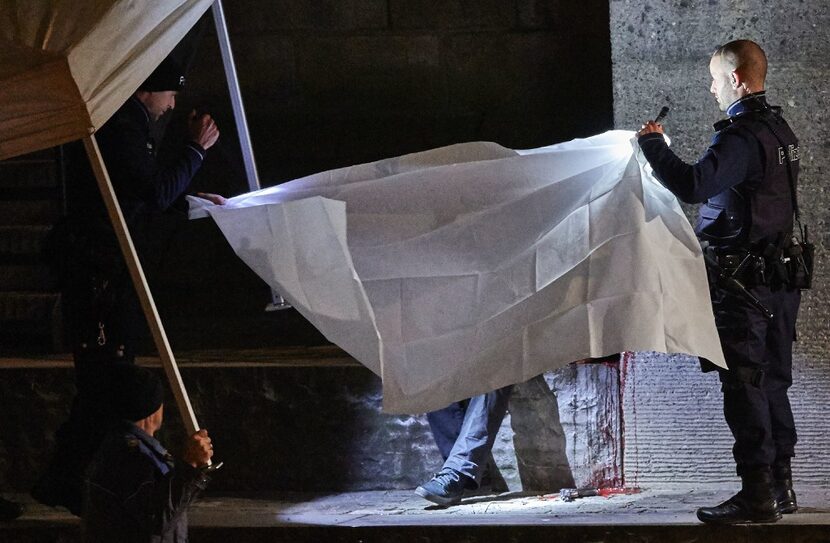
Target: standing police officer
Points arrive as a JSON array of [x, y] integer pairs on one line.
[[746, 181], [104, 314]]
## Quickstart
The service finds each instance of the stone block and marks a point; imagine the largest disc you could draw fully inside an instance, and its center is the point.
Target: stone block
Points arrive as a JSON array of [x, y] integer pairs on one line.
[[586, 18], [530, 88], [452, 14], [355, 75], [257, 17]]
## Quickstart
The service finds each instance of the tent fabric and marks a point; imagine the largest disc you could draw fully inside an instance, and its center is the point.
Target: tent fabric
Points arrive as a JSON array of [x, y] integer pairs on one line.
[[459, 270], [67, 65]]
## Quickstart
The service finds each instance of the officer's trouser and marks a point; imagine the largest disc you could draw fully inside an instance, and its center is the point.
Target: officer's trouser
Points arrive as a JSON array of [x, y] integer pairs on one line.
[[91, 415], [758, 352]]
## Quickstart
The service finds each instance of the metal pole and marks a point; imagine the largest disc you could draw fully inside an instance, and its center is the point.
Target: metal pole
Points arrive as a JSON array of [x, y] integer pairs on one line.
[[277, 301], [141, 286], [236, 96]]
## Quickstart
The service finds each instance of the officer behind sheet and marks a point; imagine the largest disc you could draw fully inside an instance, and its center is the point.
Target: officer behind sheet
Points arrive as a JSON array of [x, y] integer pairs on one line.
[[746, 181], [104, 315]]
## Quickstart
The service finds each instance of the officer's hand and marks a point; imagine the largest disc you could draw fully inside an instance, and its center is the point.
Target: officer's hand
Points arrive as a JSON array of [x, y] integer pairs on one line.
[[216, 199], [197, 449], [203, 130], [650, 128]]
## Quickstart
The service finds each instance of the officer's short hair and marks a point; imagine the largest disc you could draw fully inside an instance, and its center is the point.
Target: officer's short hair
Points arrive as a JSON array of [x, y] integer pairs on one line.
[[745, 54]]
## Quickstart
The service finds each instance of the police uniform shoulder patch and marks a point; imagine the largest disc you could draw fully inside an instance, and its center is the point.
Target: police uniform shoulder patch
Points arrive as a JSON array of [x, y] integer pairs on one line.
[[131, 442]]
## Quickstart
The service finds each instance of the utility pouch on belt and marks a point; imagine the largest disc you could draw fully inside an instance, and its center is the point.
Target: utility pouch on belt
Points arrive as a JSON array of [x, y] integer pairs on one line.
[[790, 261], [800, 264], [750, 269]]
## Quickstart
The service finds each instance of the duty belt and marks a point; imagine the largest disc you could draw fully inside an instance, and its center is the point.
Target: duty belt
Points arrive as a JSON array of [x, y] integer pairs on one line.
[[729, 278], [747, 267]]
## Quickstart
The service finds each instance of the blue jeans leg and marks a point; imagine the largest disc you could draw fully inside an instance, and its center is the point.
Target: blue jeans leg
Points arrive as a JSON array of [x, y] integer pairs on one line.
[[482, 421], [445, 425]]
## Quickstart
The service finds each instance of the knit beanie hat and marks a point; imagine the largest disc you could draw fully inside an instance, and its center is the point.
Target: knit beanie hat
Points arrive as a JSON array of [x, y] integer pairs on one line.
[[168, 76], [136, 392]]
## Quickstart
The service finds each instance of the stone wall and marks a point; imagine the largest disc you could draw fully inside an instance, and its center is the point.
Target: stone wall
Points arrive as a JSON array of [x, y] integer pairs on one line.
[[660, 54], [296, 428]]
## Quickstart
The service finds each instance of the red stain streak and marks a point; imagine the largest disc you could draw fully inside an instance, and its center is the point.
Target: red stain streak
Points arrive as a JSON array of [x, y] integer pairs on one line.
[[608, 492], [611, 428]]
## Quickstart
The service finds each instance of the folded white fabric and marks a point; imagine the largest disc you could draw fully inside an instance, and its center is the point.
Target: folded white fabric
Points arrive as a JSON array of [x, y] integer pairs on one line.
[[459, 270]]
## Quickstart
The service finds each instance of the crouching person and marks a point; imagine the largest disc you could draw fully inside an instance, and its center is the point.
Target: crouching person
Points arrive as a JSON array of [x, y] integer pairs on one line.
[[133, 491]]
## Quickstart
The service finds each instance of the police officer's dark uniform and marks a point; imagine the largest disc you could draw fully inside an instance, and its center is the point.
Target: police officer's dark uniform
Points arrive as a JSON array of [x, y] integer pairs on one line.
[[746, 182], [104, 316], [134, 491]]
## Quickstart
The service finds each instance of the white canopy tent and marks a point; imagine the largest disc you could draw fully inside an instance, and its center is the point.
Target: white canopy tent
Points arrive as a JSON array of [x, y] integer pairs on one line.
[[66, 66]]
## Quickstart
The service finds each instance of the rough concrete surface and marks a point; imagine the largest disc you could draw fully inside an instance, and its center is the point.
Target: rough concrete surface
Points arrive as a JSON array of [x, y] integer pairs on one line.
[[658, 514], [660, 55]]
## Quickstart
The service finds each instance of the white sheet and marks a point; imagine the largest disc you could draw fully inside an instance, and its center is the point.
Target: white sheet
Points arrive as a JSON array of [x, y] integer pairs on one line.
[[459, 270]]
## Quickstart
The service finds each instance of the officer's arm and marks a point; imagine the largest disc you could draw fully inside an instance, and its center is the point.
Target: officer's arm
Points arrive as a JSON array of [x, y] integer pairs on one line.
[[138, 180], [157, 187], [170, 181], [724, 165]]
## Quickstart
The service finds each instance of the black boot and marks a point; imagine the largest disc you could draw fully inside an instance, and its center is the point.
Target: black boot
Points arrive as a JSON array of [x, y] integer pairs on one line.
[[783, 487], [754, 503]]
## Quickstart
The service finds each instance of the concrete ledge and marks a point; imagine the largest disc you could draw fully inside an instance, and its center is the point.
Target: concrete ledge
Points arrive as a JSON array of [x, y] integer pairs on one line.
[[664, 515], [316, 357]]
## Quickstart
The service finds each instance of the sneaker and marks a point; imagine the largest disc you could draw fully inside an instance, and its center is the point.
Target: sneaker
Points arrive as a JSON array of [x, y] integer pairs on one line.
[[446, 488]]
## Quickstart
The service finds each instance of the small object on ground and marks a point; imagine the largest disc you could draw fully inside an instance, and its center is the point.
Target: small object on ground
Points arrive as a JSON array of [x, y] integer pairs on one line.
[[570, 494]]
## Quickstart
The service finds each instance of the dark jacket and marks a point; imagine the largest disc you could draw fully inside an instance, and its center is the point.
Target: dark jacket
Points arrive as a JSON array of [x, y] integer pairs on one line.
[[134, 493], [143, 185], [741, 179]]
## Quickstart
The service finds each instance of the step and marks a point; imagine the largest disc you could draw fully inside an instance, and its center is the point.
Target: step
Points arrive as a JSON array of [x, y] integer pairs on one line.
[[22, 242], [29, 173], [28, 306], [30, 322], [26, 277], [324, 356], [31, 193], [23, 212]]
